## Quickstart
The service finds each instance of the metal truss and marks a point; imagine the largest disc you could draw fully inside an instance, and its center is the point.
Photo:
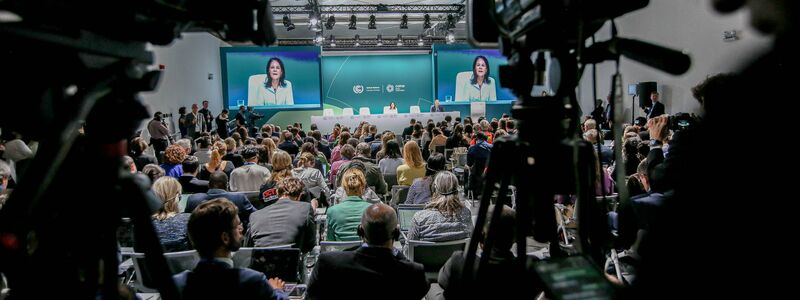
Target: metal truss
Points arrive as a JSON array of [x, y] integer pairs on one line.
[[370, 9]]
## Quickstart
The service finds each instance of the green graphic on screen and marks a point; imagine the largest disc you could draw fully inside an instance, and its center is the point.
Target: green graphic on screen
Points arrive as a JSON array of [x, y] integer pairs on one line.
[[376, 81]]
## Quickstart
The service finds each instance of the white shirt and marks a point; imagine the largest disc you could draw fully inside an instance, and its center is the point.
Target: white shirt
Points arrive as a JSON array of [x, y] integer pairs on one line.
[[261, 95], [466, 91]]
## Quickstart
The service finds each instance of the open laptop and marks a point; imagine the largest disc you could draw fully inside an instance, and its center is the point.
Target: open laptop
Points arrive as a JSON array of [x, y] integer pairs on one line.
[[405, 215], [283, 263]]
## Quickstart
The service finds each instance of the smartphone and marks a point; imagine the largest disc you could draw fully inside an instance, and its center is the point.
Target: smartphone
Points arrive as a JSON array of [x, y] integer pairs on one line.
[[298, 291]]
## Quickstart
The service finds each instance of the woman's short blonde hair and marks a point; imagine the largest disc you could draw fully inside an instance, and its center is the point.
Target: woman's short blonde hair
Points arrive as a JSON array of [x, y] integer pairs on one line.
[[168, 189], [353, 182]]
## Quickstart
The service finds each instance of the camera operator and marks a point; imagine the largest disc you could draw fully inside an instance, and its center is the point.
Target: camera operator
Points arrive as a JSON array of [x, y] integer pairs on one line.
[[159, 134], [252, 117]]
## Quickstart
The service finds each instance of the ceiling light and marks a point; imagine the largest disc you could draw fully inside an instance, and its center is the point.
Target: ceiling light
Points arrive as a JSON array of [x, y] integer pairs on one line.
[[318, 39], [330, 23], [332, 41], [288, 23], [427, 23], [450, 37], [404, 22], [357, 41], [420, 41], [380, 40], [313, 23], [399, 40], [353, 21], [372, 22]]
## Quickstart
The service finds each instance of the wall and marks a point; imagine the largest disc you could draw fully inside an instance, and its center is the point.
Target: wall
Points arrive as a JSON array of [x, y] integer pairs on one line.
[[188, 62], [689, 25]]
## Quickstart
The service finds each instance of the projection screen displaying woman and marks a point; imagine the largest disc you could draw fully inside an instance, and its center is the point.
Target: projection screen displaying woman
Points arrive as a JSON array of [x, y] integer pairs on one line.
[[271, 88], [476, 85]]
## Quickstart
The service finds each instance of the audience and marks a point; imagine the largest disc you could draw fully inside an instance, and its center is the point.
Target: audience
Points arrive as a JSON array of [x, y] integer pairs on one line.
[[371, 170], [173, 158], [391, 158], [216, 163], [217, 185], [153, 171], [420, 191], [189, 182], [250, 176], [445, 217], [311, 177], [141, 159], [216, 231], [288, 221], [342, 219], [169, 222], [413, 167]]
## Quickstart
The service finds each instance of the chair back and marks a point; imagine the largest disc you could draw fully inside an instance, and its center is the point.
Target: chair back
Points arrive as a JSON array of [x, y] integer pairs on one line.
[[177, 261], [328, 112], [399, 194], [255, 198], [363, 111], [347, 111], [277, 261], [391, 179], [327, 246], [414, 109], [433, 255]]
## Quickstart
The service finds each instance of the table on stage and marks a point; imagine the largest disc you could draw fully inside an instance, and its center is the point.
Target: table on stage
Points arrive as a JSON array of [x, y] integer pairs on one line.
[[393, 122]]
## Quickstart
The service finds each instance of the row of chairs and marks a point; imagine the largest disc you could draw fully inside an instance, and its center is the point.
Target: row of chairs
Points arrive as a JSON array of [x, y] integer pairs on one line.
[[364, 111]]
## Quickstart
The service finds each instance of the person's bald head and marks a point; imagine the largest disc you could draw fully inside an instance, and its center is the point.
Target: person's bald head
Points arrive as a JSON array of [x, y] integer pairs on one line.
[[379, 224]]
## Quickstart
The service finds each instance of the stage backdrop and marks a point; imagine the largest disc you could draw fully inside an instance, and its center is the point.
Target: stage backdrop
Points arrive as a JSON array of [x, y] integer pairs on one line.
[[375, 81], [244, 73]]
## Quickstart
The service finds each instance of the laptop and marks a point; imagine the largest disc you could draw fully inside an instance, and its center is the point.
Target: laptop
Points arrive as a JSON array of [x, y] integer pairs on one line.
[[405, 215], [283, 263]]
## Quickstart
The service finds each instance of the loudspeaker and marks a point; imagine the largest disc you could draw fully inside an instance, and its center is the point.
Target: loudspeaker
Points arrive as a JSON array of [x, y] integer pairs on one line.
[[643, 90]]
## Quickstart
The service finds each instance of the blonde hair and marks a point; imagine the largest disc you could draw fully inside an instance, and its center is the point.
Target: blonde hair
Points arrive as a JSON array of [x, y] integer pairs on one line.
[[412, 155], [217, 152], [168, 189], [269, 145], [231, 143], [353, 182], [281, 166]]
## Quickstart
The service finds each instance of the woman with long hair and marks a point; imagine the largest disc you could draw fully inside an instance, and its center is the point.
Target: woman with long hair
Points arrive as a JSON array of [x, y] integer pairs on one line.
[[216, 163], [413, 167], [311, 176], [336, 153], [420, 191], [343, 219], [392, 158], [169, 222], [385, 138], [445, 217]]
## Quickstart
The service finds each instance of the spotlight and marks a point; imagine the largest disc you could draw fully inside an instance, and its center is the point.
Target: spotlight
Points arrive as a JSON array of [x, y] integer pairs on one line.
[[372, 22], [353, 20], [404, 22], [380, 41], [330, 23], [450, 37], [451, 21], [313, 23], [357, 41], [427, 23], [399, 40], [288, 23], [420, 41], [318, 39], [332, 41]]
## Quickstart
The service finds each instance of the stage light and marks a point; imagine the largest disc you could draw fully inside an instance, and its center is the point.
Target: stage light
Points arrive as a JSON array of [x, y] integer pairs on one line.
[[318, 39], [372, 22], [451, 21], [404, 22], [380, 41], [420, 41], [288, 23], [427, 23], [332, 41], [450, 37], [357, 41], [399, 40], [330, 23], [353, 21], [313, 23]]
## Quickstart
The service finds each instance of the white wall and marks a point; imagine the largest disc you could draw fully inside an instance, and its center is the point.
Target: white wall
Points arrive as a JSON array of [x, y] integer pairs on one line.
[[689, 25], [188, 62]]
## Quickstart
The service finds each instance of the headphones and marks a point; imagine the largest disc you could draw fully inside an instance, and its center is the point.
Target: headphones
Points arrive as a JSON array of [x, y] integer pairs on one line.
[[363, 235], [436, 188]]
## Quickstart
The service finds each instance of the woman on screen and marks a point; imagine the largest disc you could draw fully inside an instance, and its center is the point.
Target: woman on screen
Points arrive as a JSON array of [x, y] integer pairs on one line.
[[476, 85], [271, 88]]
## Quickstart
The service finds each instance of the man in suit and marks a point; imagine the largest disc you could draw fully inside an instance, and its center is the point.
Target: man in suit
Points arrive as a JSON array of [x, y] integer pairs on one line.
[[215, 231], [189, 182], [217, 183], [410, 129], [286, 221], [373, 269], [436, 107], [207, 117], [657, 109], [193, 123]]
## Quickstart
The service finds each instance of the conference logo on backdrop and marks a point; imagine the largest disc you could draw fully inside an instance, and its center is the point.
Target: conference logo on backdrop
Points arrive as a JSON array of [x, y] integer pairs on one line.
[[389, 88], [358, 89]]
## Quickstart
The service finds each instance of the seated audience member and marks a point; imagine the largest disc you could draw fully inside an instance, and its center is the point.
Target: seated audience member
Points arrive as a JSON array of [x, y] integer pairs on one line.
[[413, 166], [216, 231], [288, 221], [320, 162], [216, 163], [153, 171], [336, 154], [141, 159], [173, 158], [203, 152], [170, 224], [282, 168], [189, 182], [232, 153], [380, 152], [438, 139], [391, 158], [456, 139], [312, 178], [371, 170], [342, 219], [420, 191], [186, 144], [347, 152], [500, 268], [378, 269], [217, 185], [288, 144], [129, 165], [445, 218], [250, 176]]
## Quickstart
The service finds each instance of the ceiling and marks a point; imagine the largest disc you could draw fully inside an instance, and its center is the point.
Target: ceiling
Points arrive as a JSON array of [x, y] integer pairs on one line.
[[387, 20]]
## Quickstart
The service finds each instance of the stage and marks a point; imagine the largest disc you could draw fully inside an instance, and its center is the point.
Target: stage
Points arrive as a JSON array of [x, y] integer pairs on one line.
[[393, 122]]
